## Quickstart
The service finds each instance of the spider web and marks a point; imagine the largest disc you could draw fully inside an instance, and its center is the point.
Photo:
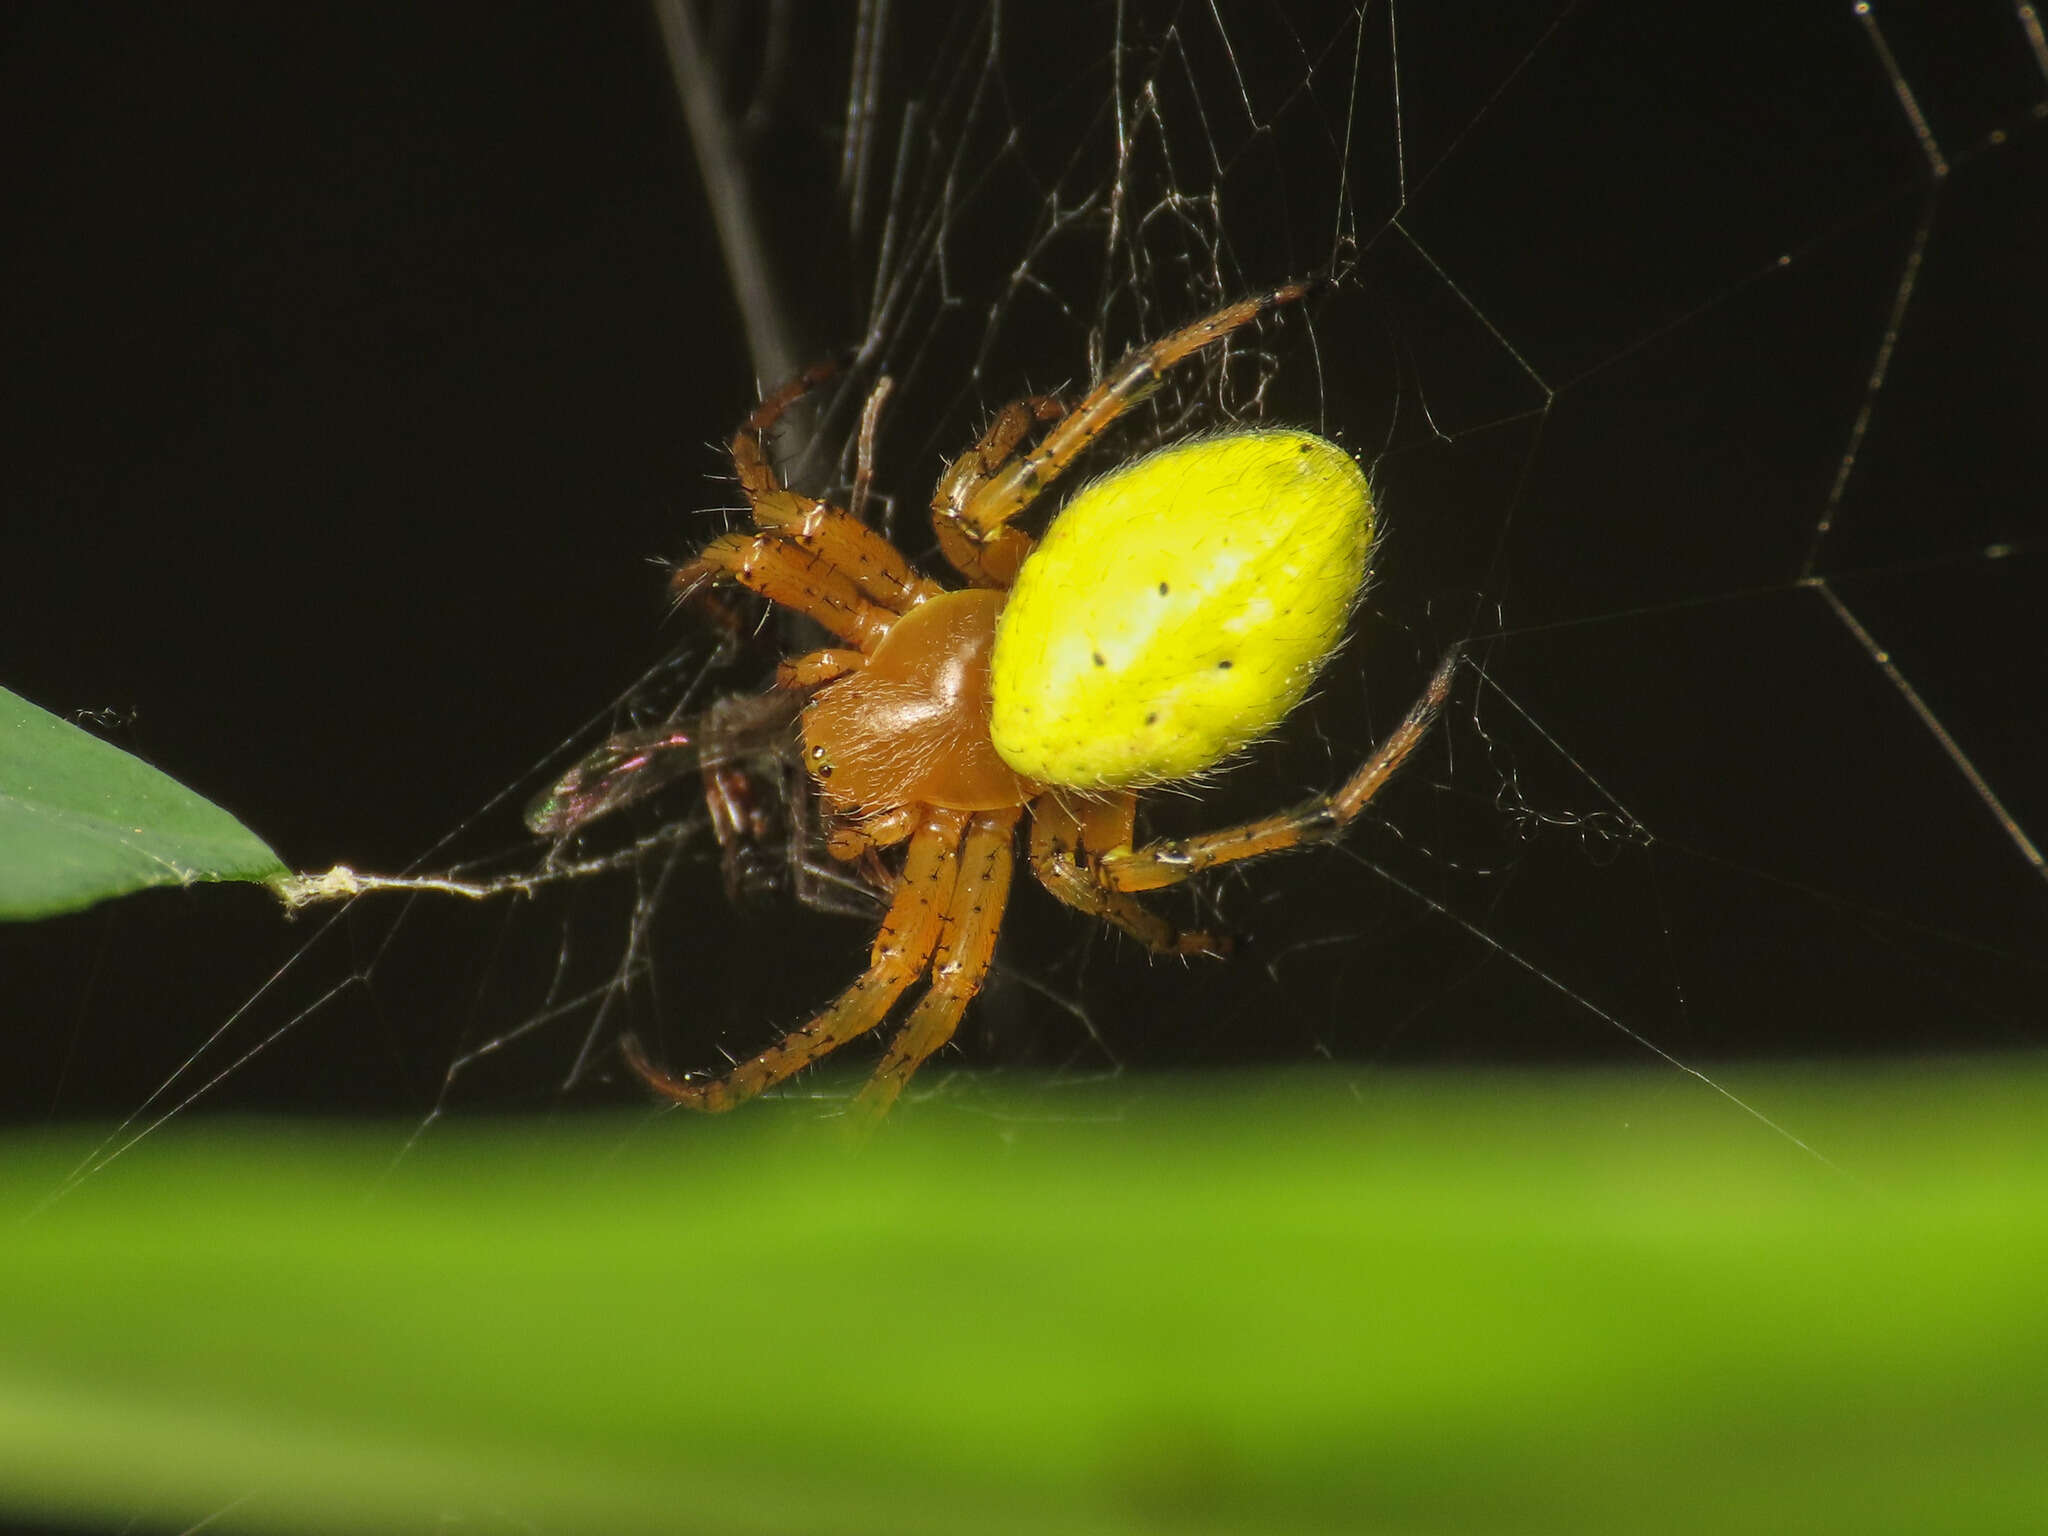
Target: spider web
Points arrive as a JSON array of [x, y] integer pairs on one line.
[[1695, 359]]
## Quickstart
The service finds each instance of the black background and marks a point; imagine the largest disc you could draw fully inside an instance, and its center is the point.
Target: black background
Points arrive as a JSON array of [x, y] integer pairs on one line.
[[361, 362]]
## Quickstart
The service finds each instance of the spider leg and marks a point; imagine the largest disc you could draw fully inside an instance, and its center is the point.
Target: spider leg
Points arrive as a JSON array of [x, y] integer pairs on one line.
[[901, 951], [851, 839], [1323, 819], [800, 674], [1006, 493], [874, 565], [996, 562], [967, 940], [784, 572], [748, 458], [860, 843], [1063, 840]]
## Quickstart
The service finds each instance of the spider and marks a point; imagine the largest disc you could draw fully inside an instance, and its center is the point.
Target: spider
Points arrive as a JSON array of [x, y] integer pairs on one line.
[[1175, 611]]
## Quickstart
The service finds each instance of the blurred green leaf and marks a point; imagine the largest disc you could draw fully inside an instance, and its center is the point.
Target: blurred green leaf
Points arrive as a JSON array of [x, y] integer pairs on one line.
[[81, 821], [1306, 1303]]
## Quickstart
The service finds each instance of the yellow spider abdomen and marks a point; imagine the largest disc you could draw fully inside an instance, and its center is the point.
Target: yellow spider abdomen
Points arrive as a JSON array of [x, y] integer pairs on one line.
[[1178, 609]]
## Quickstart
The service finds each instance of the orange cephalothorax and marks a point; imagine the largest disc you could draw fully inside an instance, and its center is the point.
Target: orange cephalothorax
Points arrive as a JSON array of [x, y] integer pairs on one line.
[[910, 726]]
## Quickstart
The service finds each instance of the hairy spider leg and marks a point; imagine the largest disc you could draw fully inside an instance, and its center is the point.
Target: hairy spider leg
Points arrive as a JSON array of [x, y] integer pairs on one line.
[[1323, 819], [749, 459], [967, 941], [1003, 495], [784, 572], [902, 951], [860, 843], [851, 548], [825, 535], [691, 584], [996, 562], [884, 829], [1066, 833], [800, 674], [875, 566]]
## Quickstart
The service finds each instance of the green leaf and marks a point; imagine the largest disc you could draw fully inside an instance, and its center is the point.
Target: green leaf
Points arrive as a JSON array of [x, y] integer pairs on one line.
[[81, 821], [1318, 1302]]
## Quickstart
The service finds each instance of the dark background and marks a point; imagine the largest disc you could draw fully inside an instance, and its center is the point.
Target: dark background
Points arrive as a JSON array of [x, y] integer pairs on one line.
[[362, 362]]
